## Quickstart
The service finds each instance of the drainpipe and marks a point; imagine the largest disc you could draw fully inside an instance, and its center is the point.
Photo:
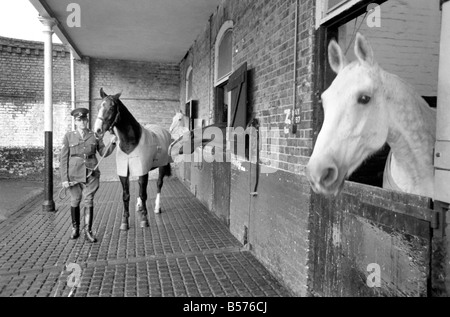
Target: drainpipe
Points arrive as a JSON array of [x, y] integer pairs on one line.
[[441, 234], [49, 23], [72, 84], [294, 108]]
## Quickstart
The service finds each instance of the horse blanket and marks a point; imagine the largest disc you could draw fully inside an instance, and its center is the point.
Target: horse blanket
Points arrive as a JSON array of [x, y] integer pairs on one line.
[[151, 152], [388, 181]]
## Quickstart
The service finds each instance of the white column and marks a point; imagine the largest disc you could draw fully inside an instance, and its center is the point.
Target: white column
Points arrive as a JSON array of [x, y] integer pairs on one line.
[[443, 126], [49, 204], [48, 72], [441, 236], [442, 148], [72, 84]]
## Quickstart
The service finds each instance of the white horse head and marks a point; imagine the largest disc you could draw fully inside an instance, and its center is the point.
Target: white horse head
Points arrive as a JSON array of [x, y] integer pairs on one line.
[[177, 128], [364, 108]]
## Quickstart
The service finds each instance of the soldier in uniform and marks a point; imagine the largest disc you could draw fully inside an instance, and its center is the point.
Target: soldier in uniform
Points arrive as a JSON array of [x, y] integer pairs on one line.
[[78, 161]]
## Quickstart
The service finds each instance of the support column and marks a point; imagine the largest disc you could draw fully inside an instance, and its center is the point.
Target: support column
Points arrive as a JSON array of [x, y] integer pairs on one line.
[[49, 23], [72, 84], [442, 157], [440, 265]]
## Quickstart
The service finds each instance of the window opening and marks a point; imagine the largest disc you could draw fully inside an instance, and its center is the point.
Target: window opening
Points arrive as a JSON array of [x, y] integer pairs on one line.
[[396, 50]]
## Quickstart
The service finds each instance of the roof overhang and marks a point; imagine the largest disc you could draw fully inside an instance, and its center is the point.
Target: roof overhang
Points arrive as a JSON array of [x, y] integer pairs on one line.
[[144, 30], [45, 12]]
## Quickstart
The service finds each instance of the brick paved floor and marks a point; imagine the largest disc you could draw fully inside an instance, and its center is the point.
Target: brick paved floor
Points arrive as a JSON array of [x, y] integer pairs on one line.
[[186, 251]]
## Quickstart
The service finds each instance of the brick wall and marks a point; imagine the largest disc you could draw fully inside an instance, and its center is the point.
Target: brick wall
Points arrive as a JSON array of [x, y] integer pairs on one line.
[[22, 65], [22, 105], [149, 90], [269, 53], [264, 38], [82, 82]]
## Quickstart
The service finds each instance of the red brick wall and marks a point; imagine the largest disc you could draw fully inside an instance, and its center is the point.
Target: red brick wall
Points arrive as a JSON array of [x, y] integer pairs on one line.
[[263, 37]]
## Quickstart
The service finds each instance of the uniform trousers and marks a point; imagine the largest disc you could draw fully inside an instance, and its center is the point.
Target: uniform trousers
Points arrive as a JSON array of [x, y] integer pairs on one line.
[[88, 189]]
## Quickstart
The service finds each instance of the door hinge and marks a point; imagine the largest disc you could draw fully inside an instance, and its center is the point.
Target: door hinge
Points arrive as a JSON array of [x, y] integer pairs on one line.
[[438, 218]]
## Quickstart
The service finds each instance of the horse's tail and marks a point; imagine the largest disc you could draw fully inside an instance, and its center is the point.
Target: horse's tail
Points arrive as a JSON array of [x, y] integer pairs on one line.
[[168, 170]]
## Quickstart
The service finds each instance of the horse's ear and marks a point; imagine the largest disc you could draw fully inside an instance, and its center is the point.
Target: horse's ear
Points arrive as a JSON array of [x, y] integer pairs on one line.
[[336, 57], [117, 96], [363, 49], [102, 93]]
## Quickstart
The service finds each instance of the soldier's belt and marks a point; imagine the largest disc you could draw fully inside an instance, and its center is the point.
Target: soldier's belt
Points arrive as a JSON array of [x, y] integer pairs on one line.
[[83, 156]]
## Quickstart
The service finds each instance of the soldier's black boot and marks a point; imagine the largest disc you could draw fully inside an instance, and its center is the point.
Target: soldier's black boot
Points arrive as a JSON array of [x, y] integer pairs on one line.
[[75, 214], [89, 218]]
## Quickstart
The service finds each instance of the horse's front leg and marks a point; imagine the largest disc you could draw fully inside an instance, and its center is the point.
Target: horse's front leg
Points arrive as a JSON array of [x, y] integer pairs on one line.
[[159, 185], [125, 181], [141, 205]]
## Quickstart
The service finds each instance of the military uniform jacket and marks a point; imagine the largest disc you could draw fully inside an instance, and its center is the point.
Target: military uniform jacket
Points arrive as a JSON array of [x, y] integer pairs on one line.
[[78, 156]]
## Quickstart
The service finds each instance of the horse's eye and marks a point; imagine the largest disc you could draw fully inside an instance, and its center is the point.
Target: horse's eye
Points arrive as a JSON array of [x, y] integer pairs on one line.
[[364, 100]]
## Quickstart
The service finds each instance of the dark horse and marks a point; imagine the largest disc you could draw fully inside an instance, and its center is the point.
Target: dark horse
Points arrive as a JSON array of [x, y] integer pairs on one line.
[[140, 150]]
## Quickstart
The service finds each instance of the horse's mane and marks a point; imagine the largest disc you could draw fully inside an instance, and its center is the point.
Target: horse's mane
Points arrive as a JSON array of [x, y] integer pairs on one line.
[[128, 124], [413, 98], [125, 113]]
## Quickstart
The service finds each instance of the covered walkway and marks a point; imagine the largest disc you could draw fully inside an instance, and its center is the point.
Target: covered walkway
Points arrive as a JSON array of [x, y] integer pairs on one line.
[[186, 251]]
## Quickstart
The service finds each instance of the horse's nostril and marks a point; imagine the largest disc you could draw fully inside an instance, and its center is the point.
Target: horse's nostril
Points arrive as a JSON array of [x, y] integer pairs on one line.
[[329, 176]]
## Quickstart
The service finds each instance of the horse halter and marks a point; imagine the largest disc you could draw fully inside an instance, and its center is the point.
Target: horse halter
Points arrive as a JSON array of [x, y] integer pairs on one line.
[[115, 119]]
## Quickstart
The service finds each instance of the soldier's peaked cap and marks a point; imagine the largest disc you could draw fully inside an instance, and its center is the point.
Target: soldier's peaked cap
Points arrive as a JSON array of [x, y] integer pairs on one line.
[[80, 113]]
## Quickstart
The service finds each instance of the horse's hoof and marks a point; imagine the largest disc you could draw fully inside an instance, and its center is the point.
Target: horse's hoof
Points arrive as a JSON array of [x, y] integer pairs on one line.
[[139, 204], [157, 211], [124, 224], [144, 223]]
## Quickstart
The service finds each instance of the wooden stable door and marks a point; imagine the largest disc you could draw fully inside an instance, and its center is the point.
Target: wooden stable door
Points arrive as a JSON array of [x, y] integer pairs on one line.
[[222, 174], [237, 85]]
